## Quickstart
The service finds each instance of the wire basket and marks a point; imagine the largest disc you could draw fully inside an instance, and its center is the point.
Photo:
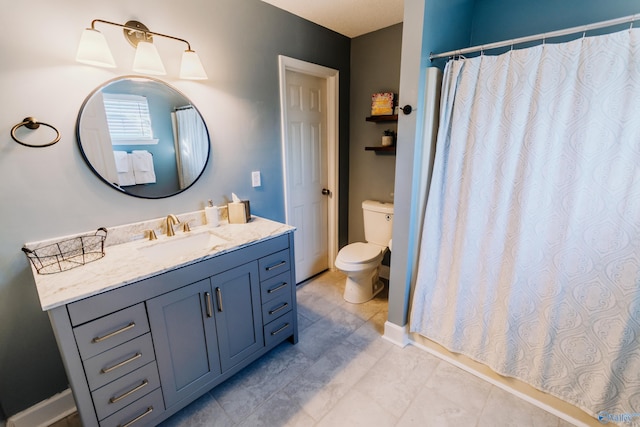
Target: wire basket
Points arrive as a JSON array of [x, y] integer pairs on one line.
[[68, 254]]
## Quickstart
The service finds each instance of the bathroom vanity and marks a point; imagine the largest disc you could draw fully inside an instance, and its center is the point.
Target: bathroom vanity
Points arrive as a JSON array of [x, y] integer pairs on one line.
[[143, 335]]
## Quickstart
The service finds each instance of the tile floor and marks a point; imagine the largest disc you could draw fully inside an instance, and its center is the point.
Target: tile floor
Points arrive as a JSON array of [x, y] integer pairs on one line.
[[342, 373]]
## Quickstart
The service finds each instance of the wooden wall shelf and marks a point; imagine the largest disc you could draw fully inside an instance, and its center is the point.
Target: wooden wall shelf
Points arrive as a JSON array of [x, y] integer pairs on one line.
[[382, 150], [392, 118]]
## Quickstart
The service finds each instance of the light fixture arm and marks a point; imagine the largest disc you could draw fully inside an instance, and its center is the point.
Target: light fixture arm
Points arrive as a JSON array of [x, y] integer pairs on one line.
[[135, 26]]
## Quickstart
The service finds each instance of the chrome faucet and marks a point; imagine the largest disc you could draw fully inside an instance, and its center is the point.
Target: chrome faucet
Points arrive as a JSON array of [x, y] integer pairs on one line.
[[171, 221]]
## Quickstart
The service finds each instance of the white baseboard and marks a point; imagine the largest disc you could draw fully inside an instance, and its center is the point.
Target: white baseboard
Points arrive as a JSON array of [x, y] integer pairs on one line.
[[398, 335], [45, 413]]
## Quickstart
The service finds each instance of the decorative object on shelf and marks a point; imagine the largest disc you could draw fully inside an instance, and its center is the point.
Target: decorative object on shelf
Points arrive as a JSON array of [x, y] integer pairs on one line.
[[388, 138], [68, 254], [31, 123], [382, 104], [94, 50]]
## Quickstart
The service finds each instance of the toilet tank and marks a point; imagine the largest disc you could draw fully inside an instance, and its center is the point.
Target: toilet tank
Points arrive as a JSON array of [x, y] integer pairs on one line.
[[378, 222]]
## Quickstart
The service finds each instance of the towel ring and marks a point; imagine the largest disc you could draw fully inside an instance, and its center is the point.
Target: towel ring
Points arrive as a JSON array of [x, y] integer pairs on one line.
[[31, 123]]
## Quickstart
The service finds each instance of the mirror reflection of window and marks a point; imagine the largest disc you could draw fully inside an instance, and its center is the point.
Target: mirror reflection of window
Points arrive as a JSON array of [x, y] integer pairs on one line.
[[128, 119], [179, 156]]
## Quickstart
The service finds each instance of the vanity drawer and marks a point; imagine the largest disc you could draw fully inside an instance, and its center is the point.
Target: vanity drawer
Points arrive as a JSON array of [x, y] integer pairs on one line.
[[109, 331], [274, 264], [114, 363], [276, 308], [279, 329], [125, 390], [139, 413], [275, 287]]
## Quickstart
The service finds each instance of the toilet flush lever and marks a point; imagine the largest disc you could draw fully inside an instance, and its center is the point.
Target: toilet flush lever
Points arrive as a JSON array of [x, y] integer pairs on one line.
[[326, 192]]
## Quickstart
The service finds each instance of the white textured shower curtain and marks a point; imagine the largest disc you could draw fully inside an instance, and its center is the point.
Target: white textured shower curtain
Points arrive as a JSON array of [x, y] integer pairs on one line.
[[530, 256], [192, 145]]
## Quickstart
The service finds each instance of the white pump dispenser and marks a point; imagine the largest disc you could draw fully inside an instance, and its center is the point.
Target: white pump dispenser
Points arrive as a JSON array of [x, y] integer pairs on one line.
[[211, 212]]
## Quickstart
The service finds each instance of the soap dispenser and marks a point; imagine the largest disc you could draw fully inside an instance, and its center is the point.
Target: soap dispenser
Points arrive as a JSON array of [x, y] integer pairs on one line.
[[211, 212]]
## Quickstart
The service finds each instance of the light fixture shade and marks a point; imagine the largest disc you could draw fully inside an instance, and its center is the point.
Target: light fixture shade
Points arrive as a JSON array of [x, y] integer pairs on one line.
[[191, 68], [94, 50], [147, 60]]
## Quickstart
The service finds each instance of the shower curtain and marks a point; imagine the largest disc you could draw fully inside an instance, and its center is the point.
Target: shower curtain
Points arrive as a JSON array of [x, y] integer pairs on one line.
[[530, 253], [192, 145]]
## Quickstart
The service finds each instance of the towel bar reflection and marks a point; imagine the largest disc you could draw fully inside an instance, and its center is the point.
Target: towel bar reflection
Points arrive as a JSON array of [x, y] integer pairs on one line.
[[31, 123]]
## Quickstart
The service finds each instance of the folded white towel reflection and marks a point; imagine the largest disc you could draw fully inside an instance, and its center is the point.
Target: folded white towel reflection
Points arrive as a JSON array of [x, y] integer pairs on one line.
[[122, 161], [143, 167], [124, 168]]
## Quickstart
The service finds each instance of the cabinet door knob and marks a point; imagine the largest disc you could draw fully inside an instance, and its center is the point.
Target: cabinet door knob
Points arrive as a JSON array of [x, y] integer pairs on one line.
[[407, 109]]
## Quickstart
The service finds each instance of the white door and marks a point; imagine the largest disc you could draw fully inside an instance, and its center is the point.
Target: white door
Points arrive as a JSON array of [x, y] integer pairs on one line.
[[308, 193], [96, 140]]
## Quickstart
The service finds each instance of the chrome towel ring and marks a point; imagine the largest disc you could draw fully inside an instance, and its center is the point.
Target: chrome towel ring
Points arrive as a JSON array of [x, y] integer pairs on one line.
[[31, 123]]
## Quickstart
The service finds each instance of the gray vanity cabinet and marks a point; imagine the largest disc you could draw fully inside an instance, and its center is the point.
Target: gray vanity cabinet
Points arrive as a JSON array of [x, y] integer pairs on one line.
[[144, 350], [204, 329], [184, 336], [236, 301]]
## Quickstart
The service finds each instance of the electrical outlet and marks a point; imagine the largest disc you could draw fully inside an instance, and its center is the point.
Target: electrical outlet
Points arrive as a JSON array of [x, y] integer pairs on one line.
[[255, 179]]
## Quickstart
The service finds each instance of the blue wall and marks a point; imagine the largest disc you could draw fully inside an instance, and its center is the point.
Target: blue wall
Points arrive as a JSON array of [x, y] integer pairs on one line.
[[495, 20]]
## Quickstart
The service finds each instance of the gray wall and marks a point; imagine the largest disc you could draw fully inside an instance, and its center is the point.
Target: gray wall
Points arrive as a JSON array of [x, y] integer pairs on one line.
[[375, 67], [50, 192]]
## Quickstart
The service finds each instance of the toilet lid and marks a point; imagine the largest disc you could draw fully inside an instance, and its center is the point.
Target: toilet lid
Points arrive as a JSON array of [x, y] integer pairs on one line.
[[357, 253]]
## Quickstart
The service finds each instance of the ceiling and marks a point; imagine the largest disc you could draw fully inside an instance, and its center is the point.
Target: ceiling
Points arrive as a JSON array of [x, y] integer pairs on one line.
[[351, 18]]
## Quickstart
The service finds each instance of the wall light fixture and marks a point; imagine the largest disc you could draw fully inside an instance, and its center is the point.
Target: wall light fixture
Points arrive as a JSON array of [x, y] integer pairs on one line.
[[94, 50]]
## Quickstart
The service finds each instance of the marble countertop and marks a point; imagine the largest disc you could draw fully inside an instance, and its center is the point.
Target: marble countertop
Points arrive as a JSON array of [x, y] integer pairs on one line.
[[126, 263]]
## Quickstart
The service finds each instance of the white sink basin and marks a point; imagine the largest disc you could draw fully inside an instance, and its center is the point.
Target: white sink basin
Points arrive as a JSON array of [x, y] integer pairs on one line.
[[180, 247]]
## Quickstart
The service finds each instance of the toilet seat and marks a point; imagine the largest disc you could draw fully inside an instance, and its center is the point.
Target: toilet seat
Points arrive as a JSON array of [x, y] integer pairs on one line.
[[357, 255]]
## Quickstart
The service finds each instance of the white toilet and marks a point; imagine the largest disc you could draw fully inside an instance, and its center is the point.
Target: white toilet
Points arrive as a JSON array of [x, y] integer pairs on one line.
[[360, 261]]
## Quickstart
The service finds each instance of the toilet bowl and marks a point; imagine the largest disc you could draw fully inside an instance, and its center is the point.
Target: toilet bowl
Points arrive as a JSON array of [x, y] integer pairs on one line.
[[360, 262]]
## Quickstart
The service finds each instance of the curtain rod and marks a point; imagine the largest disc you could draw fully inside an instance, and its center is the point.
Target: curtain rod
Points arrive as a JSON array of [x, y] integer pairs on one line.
[[541, 36]]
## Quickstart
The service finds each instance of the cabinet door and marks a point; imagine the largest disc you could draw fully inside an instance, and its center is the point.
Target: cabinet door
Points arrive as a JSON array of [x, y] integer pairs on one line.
[[184, 335], [238, 313]]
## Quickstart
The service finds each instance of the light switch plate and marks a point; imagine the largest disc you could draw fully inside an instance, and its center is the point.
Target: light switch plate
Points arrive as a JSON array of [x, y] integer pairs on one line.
[[255, 179]]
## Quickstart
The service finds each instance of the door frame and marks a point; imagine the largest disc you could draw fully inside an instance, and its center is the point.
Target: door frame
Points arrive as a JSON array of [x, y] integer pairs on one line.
[[331, 78]]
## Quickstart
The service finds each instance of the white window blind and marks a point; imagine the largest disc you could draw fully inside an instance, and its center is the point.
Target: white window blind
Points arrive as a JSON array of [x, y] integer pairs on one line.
[[128, 119]]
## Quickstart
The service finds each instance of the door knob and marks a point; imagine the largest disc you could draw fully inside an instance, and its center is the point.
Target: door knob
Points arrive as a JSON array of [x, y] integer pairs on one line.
[[407, 109], [326, 192]]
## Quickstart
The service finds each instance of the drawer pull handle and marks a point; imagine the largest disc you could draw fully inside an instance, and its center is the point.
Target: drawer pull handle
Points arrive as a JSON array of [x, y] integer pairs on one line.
[[129, 393], [282, 328], [282, 307], [207, 297], [114, 333], [273, 267], [121, 364], [219, 296], [270, 291], [138, 418]]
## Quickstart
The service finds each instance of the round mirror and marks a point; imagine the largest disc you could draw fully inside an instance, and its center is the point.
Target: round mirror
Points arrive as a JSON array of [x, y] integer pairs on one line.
[[143, 137]]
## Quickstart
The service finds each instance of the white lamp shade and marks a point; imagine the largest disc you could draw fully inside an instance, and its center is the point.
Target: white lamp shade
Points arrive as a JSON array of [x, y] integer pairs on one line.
[[191, 68], [147, 60], [93, 49]]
